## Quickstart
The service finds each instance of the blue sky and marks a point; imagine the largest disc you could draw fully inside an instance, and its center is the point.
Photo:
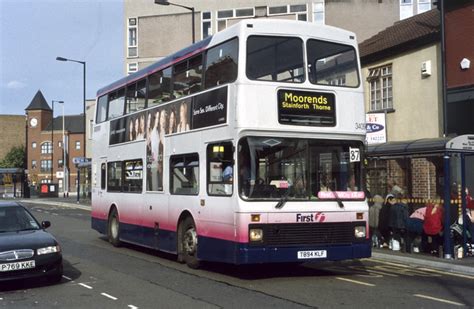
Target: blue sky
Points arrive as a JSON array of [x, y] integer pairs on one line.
[[34, 32]]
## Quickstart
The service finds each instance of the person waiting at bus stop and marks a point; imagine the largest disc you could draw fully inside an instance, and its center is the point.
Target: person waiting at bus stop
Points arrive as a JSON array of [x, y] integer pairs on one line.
[[433, 227], [398, 220], [384, 220]]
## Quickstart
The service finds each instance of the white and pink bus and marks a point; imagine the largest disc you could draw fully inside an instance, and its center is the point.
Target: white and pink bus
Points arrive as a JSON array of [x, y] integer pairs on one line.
[[242, 148]]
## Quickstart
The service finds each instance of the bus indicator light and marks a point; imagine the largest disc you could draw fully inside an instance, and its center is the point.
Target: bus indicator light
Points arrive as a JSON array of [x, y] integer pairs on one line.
[[255, 218]]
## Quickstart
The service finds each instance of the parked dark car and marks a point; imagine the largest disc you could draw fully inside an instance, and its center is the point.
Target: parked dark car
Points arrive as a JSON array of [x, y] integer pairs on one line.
[[26, 249]]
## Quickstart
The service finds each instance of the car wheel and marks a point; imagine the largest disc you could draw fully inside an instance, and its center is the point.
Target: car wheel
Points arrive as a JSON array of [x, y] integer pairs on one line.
[[188, 243], [114, 228]]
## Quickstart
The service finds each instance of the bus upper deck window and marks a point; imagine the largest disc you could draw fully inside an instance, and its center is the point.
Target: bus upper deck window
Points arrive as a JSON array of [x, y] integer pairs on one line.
[[159, 87], [101, 109], [277, 59], [221, 64], [332, 64], [187, 77]]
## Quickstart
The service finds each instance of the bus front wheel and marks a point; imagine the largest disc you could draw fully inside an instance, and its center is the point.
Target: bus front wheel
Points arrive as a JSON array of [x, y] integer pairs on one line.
[[114, 228], [188, 243]]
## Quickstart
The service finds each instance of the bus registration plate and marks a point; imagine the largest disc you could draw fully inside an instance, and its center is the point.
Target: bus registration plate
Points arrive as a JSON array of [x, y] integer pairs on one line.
[[314, 254]]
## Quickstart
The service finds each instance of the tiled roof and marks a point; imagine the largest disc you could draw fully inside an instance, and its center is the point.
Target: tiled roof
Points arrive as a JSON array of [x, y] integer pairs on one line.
[[38, 103], [72, 123], [402, 36]]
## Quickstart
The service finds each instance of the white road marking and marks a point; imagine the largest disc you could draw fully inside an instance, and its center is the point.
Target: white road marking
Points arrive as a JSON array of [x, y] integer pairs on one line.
[[439, 299], [108, 296], [355, 281], [448, 273], [55, 214], [132, 307], [428, 270], [86, 286], [67, 278]]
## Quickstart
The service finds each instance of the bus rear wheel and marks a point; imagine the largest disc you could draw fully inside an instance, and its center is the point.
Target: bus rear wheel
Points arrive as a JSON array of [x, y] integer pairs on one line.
[[114, 228], [188, 243]]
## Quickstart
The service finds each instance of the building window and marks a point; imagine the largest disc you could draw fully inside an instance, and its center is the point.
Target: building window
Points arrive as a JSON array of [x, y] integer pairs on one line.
[[318, 13], [132, 67], [277, 10], [33, 164], [46, 165], [206, 24], [424, 6], [78, 145], [45, 181], [406, 9], [60, 163], [60, 144], [225, 14], [33, 145], [221, 24], [245, 12], [46, 148], [132, 38], [380, 83]]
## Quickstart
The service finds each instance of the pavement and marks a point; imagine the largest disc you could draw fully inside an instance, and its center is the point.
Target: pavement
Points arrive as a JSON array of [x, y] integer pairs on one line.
[[460, 266]]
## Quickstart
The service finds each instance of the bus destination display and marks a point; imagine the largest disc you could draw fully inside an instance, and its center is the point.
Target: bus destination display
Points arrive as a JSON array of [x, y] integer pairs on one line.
[[306, 108]]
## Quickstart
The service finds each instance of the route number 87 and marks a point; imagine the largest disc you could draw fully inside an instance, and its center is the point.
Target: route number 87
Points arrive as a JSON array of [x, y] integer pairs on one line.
[[354, 154]]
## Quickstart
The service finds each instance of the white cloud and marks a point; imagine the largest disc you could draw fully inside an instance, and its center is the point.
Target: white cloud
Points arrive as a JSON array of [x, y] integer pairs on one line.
[[15, 84]]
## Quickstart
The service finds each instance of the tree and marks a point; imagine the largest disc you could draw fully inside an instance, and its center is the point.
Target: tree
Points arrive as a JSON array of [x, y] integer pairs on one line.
[[15, 158]]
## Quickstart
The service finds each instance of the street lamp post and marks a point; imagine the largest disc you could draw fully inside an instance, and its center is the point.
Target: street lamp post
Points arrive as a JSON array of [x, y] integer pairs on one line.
[[165, 2], [65, 179], [52, 139], [84, 95]]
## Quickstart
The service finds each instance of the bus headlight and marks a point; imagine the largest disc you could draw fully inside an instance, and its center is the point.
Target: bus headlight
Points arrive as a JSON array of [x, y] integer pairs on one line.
[[256, 235], [359, 231]]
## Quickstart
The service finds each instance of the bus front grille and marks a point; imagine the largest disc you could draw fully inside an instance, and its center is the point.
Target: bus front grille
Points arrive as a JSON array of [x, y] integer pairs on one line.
[[288, 234]]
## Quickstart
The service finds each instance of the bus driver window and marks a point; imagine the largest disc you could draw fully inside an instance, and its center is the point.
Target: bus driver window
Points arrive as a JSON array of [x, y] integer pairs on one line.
[[220, 169]]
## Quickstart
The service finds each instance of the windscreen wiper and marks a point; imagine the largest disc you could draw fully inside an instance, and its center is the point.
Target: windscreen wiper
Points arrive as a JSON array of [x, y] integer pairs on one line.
[[338, 200], [283, 200]]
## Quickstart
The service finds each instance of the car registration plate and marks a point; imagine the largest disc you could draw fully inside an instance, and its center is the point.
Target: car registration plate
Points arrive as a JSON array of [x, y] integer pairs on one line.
[[17, 266], [313, 254]]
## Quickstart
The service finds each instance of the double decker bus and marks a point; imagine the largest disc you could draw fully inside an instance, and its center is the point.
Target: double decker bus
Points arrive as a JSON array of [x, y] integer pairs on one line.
[[242, 148]]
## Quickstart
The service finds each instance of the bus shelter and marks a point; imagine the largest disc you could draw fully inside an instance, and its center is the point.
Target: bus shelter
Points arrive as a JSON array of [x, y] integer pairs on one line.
[[11, 182], [425, 170]]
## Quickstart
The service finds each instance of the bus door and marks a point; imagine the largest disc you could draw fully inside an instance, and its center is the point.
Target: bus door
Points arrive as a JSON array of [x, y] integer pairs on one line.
[[220, 185], [154, 217], [101, 188]]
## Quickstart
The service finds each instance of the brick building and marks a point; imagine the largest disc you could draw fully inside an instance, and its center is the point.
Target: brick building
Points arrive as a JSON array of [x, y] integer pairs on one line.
[[45, 149], [13, 132]]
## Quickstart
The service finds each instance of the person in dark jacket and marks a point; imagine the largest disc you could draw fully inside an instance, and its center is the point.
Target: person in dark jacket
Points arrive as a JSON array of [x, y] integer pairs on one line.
[[384, 220], [398, 220]]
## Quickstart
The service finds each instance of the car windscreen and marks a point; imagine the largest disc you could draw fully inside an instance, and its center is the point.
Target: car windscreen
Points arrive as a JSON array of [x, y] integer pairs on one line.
[[16, 218]]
